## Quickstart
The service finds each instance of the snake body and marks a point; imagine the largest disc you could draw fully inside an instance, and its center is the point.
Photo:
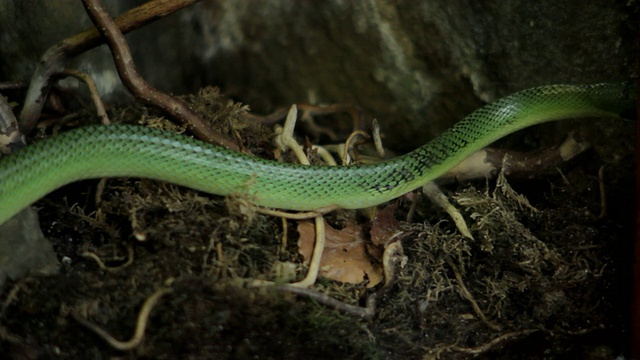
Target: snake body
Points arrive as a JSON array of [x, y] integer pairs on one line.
[[135, 151]]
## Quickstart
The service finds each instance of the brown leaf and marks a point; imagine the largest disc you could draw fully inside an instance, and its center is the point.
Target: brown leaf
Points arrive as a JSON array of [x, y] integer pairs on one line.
[[345, 256], [384, 226]]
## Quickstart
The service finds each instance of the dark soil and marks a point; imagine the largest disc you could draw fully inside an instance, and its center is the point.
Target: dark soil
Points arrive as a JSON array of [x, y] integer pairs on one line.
[[547, 277]]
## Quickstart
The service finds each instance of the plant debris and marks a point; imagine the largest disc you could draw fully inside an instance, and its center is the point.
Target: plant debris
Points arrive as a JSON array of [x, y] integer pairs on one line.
[[345, 257]]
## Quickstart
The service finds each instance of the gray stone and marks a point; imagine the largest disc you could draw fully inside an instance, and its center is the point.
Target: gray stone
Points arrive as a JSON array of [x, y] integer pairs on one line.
[[23, 248]]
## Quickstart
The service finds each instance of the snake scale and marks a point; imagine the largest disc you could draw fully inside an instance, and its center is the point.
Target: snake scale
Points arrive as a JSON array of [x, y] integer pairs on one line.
[[135, 151]]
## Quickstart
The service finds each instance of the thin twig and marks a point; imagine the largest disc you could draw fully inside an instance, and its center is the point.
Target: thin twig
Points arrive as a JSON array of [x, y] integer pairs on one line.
[[13, 85], [10, 136], [348, 144], [369, 310], [285, 235], [54, 58], [285, 141], [358, 114], [493, 343], [391, 257], [377, 139], [141, 323], [299, 215], [467, 295], [361, 312], [103, 266], [488, 162], [316, 256], [433, 192], [130, 77], [93, 90]]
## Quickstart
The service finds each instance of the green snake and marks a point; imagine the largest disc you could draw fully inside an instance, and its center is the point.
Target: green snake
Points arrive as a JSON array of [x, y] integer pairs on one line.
[[135, 151]]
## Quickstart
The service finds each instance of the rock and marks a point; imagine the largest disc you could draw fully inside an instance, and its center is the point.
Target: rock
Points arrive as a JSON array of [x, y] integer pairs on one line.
[[23, 248]]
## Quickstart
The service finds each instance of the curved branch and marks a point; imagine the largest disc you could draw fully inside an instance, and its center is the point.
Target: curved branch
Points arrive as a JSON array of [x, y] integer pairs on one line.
[[52, 62], [129, 75]]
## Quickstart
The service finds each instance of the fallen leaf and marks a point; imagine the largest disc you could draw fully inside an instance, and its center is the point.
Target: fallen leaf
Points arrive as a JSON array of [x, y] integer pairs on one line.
[[385, 227], [345, 257]]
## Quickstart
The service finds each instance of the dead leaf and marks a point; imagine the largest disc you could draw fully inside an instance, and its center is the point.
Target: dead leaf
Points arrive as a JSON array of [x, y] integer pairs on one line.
[[384, 226], [345, 257]]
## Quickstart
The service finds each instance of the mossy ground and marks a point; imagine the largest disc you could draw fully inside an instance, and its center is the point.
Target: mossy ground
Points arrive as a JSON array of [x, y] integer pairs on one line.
[[550, 280]]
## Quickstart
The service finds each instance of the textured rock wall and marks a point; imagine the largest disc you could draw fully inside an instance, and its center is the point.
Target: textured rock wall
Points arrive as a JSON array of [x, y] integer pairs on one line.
[[416, 65]]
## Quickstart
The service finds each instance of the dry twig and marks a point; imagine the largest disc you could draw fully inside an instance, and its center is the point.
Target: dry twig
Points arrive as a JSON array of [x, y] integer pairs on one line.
[[129, 75], [462, 288], [52, 62], [93, 90], [13, 85], [141, 323], [10, 136]]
